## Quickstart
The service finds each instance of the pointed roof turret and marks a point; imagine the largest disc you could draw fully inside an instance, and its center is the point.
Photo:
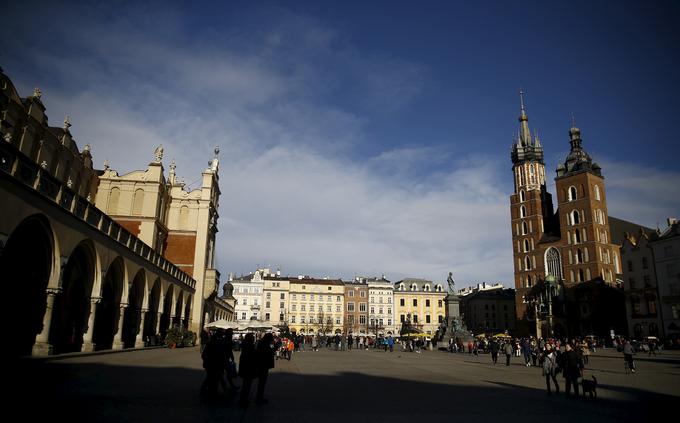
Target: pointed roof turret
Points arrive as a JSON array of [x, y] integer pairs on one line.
[[577, 160], [525, 133], [524, 148]]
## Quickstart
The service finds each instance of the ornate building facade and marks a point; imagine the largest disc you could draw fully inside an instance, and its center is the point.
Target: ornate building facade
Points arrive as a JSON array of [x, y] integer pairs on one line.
[[76, 278], [571, 243], [421, 302]]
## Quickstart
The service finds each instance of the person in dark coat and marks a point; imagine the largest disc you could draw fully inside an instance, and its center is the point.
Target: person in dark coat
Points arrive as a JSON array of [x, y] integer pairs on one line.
[[247, 367], [571, 369], [265, 361], [214, 362], [230, 364], [494, 351]]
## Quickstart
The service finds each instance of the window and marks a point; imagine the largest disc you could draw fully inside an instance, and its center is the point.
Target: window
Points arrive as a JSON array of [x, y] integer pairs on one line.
[[292, 319], [266, 316], [329, 308], [268, 305], [427, 318], [362, 319], [269, 295], [597, 193], [362, 307], [427, 303], [521, 195], [350, 306], [402, 317], [311, 307], [282, 305], [243, 316], [245, 301], [415, 318], [372, 310], [283, 296], [522, 211], [415, 302], [362, 294], [439, 303], [350, 294], [281, 317], [572, 193], [302, 307], [440, 318], [337, 308], [525, 228], [527, 263], [402, 302], [526, 245], [294, 307], [337, 298]]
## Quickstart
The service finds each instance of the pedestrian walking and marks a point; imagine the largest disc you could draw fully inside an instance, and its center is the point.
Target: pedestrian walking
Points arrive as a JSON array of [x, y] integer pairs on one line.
[[508, 352], [494, 351], [571, 369], [550, 368]]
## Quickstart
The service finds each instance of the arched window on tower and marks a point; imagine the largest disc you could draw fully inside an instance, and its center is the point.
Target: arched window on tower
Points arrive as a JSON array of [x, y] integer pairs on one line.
[[522, 211], [577, 237], [528, 281], [521, 195], [581, 275], [572, 193], [525, 228], [526, 245], [575, 218], [527, 263], [579, 256], [597, 192]]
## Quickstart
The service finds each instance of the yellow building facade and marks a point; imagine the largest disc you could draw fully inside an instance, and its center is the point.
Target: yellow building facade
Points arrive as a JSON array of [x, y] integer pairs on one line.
[[421, 302], [316, 306]]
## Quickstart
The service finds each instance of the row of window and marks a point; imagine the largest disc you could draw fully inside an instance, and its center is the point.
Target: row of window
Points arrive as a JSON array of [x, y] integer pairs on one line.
[[362, 294], [573, 195], [329, 308], [402, 302], [303, 297], [381, 299], [329, 320], [414, 318], [282, 296], [426, 288]]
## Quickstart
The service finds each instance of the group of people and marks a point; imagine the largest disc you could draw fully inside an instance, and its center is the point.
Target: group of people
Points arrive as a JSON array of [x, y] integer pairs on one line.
[[255, 361]]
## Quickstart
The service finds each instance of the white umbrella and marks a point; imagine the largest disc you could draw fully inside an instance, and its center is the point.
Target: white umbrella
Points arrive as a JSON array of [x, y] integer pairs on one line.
[[222, 324]]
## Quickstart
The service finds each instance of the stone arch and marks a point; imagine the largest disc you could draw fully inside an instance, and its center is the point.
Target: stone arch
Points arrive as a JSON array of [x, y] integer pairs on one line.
[[72, 305], [178, 308], [28, 263], [167, 309], [108, 309], [153, 305], [133, 312], [187, 311]]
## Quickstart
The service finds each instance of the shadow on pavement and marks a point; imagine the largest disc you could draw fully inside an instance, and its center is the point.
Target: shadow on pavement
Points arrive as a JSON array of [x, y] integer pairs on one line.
[[102, 393]]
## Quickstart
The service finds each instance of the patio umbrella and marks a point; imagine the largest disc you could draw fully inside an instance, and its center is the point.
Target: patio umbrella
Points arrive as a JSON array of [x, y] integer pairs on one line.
[[222, 324]]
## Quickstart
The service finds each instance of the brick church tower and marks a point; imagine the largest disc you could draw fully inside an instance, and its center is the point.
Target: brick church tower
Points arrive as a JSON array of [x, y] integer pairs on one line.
[[573, 244]]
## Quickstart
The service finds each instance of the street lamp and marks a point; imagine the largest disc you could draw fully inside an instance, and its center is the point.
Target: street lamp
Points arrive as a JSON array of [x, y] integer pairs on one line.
[[551, 289]]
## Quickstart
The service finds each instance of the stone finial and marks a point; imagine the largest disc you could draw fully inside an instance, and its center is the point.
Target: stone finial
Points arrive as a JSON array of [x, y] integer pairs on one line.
[[37, 93], [106, 164], [158, 152], [173, 166], [67, 122]]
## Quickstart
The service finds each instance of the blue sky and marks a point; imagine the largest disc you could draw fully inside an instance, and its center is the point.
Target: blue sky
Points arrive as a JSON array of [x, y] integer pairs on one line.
[[363, 138]]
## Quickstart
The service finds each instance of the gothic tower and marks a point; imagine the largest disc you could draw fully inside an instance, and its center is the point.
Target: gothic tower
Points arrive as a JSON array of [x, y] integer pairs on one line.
[[530, 208], [587, 251]]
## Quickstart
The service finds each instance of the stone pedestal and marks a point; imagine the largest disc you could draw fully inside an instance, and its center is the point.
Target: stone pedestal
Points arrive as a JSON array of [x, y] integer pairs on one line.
[[452, 308]]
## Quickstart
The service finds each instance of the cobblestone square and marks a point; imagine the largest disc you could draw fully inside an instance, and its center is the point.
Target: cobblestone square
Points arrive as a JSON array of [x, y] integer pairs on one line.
[[349, 386]]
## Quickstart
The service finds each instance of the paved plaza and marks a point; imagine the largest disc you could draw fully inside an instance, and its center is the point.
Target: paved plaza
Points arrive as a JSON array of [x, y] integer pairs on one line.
[[330, 386]]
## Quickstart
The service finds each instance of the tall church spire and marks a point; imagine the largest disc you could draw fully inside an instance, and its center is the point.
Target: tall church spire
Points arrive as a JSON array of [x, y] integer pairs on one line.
[[525, 133]]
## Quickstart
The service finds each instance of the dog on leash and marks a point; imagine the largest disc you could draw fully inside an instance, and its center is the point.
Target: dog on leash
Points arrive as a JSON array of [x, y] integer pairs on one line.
[[589, 387]]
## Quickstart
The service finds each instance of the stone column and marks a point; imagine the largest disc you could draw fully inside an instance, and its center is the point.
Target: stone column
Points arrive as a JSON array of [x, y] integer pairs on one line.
[[88, 345], [118, 338], [158, 323], [42, 345], [139, 341]]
